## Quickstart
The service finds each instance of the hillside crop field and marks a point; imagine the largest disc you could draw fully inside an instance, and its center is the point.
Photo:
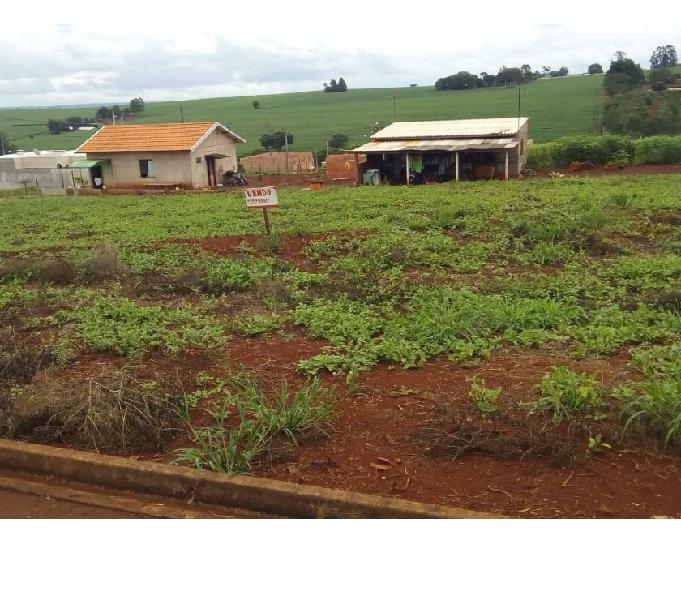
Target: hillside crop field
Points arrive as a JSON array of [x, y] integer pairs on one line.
[[509, 347], [556, 107]]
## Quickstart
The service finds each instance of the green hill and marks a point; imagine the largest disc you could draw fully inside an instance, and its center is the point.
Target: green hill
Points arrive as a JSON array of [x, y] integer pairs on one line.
[[556, 107]]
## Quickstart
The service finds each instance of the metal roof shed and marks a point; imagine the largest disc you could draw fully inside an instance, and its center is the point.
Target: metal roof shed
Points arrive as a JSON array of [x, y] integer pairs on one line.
[[474, 139]]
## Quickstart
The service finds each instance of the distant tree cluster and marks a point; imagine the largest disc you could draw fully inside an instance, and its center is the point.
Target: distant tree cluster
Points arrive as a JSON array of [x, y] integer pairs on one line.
[[464, 80], [630, 108], [56, 126], [336, 86], [105, 113], [595, 69], [276, 140], [6, 147]]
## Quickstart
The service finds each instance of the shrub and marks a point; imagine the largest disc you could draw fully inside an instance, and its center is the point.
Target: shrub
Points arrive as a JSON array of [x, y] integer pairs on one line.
[[566, 393], [103, 262]]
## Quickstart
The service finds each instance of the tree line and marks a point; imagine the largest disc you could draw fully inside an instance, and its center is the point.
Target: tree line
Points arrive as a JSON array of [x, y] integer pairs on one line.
[[464, 80], [104, 114]]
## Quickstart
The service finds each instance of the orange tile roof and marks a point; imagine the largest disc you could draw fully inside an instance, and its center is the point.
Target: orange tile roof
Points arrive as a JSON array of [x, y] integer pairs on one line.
[[156, 137]]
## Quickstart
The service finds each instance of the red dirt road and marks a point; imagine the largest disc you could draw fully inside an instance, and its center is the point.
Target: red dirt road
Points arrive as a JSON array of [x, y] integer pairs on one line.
[[14, 505]]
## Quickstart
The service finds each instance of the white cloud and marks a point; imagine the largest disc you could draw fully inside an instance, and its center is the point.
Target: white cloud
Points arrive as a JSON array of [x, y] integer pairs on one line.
[[273, 47]]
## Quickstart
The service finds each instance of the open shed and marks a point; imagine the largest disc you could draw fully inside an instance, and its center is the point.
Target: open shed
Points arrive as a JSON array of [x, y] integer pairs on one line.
[[437, 151]]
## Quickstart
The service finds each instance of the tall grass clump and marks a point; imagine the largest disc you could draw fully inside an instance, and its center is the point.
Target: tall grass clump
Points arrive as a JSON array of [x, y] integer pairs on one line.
[[653, 404], [245, 424]]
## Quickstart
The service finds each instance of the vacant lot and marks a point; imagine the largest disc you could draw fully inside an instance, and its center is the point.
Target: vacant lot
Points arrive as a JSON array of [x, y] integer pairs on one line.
[[556, 107], [499, 346]]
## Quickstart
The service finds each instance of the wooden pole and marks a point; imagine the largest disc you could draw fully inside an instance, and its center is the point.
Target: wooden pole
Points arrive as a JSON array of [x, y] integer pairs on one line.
[[406, 157], [267, 220], [457, 166], [506, 167]]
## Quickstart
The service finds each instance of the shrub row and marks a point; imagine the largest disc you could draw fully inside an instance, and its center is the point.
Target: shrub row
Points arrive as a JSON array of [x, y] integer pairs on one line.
[[606, 149]]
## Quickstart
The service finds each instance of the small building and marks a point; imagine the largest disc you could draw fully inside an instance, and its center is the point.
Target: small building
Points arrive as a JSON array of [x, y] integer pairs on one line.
[[436, 151], [44, 169], [279, 162], [160, 156], [343, 168]]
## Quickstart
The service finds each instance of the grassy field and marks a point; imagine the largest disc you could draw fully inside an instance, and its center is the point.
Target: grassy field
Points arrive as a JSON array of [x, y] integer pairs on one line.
[[556, 107], [528, 329]]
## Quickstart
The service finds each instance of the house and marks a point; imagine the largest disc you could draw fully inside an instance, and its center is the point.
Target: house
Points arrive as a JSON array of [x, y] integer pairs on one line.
[[163, 155], [45, 169], [428, 151], [279, 162]]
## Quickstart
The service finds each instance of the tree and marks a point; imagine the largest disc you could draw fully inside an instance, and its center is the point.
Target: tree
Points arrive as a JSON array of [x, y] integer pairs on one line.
[[338, 141], [509, 75], [137, 105], [6, 147], [342, 86], [103, 114], [463, 80], [664, 56], [488, 79], [54, 126], [276, 140], [624, 75], [526, 71], [546, 71], [595, 69], [256, 104]]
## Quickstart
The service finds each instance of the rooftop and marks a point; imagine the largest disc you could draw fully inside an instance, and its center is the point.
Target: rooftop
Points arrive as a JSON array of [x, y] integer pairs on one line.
[[463, 128], [156, 137]]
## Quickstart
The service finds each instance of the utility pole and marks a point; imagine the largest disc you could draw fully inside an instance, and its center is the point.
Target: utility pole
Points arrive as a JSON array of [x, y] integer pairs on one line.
[[286, 148], [181, 114], [395, 108]]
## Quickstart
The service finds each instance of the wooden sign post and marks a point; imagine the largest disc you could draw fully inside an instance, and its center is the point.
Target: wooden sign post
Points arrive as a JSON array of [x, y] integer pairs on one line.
[[263, 197]]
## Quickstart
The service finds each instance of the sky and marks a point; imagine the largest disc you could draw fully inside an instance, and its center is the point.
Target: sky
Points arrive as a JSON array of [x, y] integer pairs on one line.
[[270, 47]]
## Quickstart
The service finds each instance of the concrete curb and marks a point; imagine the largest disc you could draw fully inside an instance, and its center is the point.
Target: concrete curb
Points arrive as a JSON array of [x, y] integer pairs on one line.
[[237, 491]]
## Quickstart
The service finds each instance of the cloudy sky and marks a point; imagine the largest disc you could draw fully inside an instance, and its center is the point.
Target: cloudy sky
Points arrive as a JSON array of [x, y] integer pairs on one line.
[[279, 47]]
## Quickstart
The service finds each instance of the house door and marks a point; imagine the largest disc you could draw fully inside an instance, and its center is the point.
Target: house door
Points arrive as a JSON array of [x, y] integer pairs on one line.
[[96, 175], [210, 165]]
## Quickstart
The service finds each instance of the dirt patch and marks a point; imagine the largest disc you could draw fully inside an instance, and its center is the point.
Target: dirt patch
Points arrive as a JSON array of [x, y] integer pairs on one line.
[[372, 449]]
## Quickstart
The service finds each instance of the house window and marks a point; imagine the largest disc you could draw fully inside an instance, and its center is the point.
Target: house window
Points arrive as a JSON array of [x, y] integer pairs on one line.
[[146, 168]]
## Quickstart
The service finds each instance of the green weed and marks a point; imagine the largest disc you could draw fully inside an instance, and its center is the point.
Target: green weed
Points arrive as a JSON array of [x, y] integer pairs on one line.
[[565, 394]]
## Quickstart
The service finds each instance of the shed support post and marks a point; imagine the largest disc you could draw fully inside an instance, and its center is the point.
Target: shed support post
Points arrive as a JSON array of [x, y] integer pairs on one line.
[[506, 167], [457, 166], [406, 156]]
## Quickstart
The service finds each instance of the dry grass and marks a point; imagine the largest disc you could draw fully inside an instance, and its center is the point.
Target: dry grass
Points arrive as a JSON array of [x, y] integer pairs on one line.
[[113, 411]]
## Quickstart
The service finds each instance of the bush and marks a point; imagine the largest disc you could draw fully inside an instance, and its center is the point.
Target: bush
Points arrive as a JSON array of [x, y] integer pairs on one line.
[[104, 262], [658, 150], [606, 149], [112, 411]]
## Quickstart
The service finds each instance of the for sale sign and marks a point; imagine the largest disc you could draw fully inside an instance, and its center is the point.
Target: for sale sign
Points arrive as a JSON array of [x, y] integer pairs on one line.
[[261, 197]]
